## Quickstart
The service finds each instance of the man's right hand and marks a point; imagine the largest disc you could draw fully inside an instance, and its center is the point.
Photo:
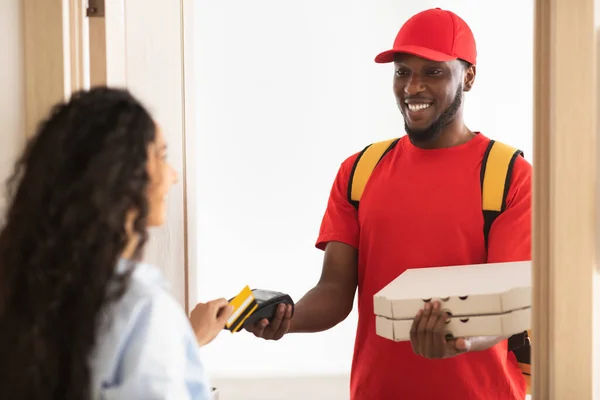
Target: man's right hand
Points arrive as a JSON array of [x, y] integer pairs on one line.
[[325, 305], [274, 330]]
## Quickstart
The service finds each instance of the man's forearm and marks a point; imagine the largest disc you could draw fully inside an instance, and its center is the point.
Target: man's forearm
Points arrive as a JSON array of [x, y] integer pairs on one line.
[[321, 308]]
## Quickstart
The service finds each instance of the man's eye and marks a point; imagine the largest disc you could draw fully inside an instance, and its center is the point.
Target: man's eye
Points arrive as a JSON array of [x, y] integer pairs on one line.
[[401, 72], [434, 72]]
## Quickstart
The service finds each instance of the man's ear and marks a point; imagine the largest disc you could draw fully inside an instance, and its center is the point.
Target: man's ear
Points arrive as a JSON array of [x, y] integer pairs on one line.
[[469, 78]]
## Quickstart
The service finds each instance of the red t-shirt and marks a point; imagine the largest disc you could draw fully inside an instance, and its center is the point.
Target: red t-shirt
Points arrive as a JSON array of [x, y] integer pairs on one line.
[[422, 208]]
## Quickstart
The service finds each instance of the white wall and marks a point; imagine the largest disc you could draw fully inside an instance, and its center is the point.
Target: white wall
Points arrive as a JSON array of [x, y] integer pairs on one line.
[[286, 91], [150, 49], [12, 115]]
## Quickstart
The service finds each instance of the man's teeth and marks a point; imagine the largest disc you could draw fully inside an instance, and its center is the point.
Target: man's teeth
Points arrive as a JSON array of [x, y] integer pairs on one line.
[[417, 107]]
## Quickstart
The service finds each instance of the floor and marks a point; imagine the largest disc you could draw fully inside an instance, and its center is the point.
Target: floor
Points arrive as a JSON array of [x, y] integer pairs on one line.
[[314, 388]]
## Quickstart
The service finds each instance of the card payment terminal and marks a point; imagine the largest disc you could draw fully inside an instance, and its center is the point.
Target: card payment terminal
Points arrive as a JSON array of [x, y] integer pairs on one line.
[[250, 306], [267, 302]]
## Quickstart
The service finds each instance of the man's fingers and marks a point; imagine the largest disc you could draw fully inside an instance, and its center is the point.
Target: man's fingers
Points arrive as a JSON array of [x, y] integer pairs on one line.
[[414, 334], [439, 335], [285, 326], [288, 312], [259, 328], [432, 350], [422, 331], [285, 323], [278, 318], [415, 324]]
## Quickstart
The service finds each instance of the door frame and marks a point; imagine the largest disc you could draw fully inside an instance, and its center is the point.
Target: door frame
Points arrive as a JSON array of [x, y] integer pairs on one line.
[[190, 146], [65, 50], [564, 206]]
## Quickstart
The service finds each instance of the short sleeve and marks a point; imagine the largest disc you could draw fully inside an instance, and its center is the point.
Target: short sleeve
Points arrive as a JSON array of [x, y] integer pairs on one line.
[[340, 222], [510, 234], [160, 358]]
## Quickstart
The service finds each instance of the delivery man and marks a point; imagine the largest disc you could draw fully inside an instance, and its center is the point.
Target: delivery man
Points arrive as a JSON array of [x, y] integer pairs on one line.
[[421, 207]]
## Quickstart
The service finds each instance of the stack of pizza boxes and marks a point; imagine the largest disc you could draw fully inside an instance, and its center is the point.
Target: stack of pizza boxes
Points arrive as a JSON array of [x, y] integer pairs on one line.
[[483, 300]]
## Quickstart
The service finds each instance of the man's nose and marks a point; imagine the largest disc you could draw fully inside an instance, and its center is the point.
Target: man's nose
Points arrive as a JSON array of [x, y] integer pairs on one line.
[[414, 85]]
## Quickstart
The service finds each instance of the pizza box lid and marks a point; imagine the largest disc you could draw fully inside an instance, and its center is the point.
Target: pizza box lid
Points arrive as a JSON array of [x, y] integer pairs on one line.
[[464, 290]]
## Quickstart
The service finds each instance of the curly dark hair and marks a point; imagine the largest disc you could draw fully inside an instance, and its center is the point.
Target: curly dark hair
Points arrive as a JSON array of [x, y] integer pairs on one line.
[[80, 177]]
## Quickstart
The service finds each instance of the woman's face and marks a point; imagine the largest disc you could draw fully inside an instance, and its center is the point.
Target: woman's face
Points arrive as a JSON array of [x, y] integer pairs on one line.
[[162, 176]]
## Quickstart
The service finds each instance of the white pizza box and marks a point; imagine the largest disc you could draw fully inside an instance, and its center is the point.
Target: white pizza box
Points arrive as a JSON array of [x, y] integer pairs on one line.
[[506, 324], [465, 290]]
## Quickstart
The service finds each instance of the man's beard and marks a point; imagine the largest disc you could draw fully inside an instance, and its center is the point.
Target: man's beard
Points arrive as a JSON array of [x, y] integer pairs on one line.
[[434, 130]]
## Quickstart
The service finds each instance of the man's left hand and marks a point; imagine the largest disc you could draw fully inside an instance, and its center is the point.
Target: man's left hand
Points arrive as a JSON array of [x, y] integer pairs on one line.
[[428, 334]]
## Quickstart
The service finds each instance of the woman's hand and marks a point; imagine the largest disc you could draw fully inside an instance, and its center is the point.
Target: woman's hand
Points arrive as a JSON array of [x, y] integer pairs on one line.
[[208, 319]]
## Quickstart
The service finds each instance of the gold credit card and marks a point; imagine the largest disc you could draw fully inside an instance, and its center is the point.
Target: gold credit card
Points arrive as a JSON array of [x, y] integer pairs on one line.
[[244, 304]]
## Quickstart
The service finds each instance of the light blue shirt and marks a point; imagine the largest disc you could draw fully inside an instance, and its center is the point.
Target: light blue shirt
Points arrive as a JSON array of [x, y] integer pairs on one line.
[[145, 346]]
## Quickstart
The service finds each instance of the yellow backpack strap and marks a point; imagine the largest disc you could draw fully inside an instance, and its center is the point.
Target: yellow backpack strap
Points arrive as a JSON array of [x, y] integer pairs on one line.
[[364, 165], [496, 172]]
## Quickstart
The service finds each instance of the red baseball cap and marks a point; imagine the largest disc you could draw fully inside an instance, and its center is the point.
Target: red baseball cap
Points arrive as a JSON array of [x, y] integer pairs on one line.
[[434, 34]]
